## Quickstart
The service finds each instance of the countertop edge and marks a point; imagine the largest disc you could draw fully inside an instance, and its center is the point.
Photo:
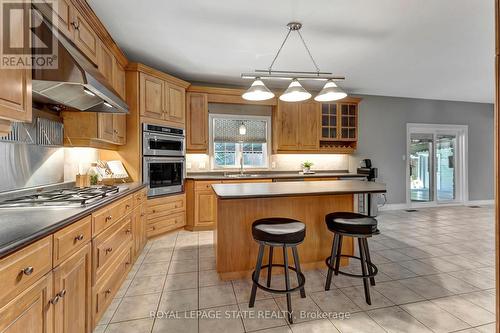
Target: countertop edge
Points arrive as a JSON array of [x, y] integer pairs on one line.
[[262, 196], [275, 176], [23, 242]]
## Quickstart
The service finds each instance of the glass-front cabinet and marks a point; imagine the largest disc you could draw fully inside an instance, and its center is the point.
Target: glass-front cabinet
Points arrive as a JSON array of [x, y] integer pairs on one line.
[[339, 126]]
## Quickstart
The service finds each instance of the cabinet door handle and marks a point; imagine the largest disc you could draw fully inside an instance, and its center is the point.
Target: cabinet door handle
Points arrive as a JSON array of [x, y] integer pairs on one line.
[[109, 249], [79, 237], [28, 270], [62, 293], [55, 300], [75, 25], [108, 218], [127, 231], [127, 206], [107, 292]]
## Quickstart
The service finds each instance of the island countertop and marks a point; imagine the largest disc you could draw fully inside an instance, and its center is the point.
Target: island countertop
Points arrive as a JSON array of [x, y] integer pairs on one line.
[[284, 189]]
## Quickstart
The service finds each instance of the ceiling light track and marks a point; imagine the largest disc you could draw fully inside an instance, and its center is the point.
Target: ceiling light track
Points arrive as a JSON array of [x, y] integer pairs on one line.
[[295, 92]]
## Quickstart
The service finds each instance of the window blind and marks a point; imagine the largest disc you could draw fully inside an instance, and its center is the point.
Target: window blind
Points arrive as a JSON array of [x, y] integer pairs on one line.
[[227, 130]]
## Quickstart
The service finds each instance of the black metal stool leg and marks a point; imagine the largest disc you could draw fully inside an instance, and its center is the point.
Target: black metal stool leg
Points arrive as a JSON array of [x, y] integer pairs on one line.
[[368, 260], [269, 270], [297, 267], [256, 275], [339, 252], [363, 270], [287, 285], [332, 259]]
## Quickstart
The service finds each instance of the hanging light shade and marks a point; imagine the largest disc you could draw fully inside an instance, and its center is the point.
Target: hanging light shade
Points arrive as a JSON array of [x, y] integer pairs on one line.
[[258, 92], [295, 93], [330, 92], [242, 129]]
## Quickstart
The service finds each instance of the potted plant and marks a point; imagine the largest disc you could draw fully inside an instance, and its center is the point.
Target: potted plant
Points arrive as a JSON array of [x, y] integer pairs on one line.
[[306, 167]]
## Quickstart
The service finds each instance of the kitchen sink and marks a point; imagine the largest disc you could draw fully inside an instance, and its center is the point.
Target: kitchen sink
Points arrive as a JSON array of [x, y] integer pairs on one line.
[[238, 175]]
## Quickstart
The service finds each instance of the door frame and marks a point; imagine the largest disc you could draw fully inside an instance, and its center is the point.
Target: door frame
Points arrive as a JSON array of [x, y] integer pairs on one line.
[[461, 159]]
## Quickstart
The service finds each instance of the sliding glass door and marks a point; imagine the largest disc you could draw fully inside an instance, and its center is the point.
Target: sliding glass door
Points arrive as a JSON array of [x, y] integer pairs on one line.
[[436, 162]]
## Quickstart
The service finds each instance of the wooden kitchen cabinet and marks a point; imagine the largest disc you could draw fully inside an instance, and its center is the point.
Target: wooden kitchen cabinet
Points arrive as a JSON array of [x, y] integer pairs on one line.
[[197, 123], [151, 95], [105, 62], [165, 214], [296, 126], [84, 37], [119, 79], [139, 229], [15, 86], [31, 311], [72, 286], [175, 103]]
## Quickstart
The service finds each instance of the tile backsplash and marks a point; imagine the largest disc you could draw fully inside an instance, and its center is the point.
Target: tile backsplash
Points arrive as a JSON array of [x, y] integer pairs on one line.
[[280, 162]]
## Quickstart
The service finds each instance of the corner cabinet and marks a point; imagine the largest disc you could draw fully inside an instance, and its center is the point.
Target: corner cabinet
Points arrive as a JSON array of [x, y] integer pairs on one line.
[[162, 97], [197, 123], [311, 127]]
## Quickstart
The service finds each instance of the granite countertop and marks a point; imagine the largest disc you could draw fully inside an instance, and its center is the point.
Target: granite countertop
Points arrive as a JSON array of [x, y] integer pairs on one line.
[[271, 175], [21, 226], [283, 189]]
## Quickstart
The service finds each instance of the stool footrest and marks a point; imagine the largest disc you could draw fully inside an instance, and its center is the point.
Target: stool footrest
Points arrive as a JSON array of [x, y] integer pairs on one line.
[[375, 269], [301, 277]]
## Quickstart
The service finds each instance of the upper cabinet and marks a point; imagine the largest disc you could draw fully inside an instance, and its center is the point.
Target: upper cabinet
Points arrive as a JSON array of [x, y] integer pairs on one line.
[[311, 127], [161, 96], [15, 87], [84, 37], [197, 123], [296, 126]]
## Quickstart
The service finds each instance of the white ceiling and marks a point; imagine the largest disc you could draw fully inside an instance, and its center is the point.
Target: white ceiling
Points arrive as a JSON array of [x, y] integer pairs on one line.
[[435, 49]]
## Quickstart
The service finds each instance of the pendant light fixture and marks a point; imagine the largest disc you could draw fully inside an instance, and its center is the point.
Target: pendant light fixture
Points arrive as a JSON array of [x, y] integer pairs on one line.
[[295, 92], [258, 91], [242, 130], [330, 92]]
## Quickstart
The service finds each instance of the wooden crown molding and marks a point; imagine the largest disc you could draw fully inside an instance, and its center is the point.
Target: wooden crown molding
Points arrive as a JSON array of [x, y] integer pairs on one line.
[[88, 14], [134, 66]]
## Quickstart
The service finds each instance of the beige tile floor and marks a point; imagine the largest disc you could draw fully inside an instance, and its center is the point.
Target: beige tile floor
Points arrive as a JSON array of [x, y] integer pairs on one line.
[[436, 275]]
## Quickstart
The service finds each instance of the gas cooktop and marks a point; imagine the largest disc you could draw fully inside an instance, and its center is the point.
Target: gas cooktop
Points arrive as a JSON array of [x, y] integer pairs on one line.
[[72, 197]]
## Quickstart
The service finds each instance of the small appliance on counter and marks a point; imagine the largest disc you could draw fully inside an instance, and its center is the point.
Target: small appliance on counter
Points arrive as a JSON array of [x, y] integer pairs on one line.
[[163, 159], [368, 203]]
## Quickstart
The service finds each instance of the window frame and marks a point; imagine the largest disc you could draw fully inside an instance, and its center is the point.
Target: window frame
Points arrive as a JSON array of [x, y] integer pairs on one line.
[[211, 148]]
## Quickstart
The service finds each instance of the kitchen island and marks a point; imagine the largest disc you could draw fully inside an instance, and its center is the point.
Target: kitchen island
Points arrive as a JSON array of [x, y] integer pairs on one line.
[[239, 205]]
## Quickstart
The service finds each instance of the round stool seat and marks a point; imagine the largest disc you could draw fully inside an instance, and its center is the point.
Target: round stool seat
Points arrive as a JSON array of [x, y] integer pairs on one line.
[[279, 230], [351, 223]]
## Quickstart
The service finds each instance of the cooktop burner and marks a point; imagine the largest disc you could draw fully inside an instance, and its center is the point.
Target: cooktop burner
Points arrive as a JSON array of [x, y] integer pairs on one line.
[[63, 197]]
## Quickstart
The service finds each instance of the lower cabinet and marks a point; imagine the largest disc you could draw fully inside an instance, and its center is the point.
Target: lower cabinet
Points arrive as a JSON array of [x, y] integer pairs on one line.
[[165, 214], [139, 229], [72, 293], [32, 311]]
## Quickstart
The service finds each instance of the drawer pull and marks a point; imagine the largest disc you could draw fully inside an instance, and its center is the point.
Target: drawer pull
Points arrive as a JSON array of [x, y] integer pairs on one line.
[[154, 211], [28, 270], [62, 293], [107, 292], [79, 237], [127, 206], [109, 249], [108, 218], [127, 231], [55, 300]]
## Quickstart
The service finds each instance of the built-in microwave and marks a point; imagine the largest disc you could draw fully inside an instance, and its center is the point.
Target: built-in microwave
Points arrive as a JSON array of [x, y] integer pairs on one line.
[[162, 141], [165, 175]]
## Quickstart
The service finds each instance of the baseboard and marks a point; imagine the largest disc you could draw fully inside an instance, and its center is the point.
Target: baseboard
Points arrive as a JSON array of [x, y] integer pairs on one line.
[[400, 206]]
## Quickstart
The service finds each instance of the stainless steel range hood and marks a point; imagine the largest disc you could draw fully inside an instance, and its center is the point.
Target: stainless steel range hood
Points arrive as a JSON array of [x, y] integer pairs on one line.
[[76, 83]]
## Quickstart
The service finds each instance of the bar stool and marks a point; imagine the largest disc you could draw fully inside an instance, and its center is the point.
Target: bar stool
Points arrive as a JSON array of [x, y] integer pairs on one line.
[[358, 226], [284, 233]]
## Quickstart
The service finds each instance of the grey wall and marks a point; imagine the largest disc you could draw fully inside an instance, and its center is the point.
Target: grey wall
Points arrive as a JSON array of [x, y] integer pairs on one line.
[[382, 137]]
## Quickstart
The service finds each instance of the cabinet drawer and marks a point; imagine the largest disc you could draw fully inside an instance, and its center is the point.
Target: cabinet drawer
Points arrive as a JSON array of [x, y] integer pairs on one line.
[[205, 185], [110, 214], [165, 206], [21, 269], [70, 239], [140, 197], [107, 245], [105, 290], [163, 224]]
